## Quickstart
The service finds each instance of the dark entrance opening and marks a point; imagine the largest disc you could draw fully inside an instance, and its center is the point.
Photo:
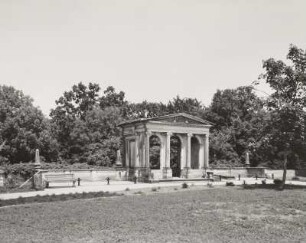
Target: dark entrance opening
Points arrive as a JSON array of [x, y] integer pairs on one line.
[[195, 149], [175, 156], [154, 152]]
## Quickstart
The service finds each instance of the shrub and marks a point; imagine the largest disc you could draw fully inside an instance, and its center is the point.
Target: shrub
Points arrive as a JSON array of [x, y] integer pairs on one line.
[[230, 183], [277, 181], [184, 185], [264, 182], [154, 189], [295, 178], [127, 189], [209, 184]]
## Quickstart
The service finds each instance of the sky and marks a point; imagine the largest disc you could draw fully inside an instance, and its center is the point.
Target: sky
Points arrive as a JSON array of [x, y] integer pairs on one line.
[[152, 50]]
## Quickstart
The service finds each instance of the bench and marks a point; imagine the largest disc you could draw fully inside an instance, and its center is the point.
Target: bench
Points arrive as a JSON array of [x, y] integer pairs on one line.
[[59, 178]]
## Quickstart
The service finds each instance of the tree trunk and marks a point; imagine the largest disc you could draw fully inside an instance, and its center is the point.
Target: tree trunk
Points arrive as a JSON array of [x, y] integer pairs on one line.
[[282, 186]]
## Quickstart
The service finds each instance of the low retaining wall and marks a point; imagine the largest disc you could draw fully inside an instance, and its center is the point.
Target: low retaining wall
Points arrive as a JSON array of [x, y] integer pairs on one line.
[[252, 172], [279, 174], [94, 175]]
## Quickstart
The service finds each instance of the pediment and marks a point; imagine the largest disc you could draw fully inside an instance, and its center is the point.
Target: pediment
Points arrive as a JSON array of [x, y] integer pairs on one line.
[[181, 118]]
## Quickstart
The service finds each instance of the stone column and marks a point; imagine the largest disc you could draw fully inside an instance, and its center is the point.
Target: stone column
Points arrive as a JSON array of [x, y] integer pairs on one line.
[[183, 152], [188, 164], [127, 152], [201, 152], [137, 151], [162, 152], [187, 150], [168, 152], [206, 151], [147, 152], [167, 173]]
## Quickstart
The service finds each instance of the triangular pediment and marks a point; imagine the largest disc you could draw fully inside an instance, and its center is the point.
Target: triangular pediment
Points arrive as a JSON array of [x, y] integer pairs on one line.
[[181, 118]]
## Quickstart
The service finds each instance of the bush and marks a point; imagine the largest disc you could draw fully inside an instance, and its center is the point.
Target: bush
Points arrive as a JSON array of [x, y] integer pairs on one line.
[[295, 178], [154, 189], [264, 182], [230, 183], [22, 169], [184, 185], [277, 182]]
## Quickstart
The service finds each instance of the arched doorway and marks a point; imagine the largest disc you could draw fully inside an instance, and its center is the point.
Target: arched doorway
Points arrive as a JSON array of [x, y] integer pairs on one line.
[[195, 149], [154, 152], [175, 156]]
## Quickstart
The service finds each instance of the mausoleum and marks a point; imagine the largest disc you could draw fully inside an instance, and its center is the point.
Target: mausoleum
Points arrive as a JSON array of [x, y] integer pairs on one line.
[[191, 134]]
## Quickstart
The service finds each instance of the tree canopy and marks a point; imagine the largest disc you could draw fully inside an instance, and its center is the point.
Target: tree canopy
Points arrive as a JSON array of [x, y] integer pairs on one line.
[[82, 127]]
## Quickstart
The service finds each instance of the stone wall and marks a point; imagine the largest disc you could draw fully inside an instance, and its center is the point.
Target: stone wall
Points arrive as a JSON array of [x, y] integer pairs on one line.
[[252, 171], [94, 175], [279, 174]]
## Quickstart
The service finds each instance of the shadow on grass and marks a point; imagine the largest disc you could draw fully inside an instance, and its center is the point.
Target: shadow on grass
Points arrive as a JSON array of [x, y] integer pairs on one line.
[[272, 187], [54, 198]]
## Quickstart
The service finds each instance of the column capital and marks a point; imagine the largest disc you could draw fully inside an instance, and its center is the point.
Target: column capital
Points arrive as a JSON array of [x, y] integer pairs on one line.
[[189, 134], [148, 133], [169, 133]]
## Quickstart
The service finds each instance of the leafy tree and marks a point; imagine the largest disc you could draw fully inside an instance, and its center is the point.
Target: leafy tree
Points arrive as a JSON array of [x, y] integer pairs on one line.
[[111, 98], [287, 104], [145, 109], [187, 105], [237, 115], [72, 106], [23, 128]]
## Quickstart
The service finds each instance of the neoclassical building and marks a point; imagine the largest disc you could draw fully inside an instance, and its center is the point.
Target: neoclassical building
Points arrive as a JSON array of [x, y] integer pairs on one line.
[[192, 147]]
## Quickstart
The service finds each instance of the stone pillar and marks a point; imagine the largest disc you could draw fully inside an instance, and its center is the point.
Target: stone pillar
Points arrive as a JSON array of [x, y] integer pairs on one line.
[[167, 172], [137, 151], [147, 150], [187, 160], [188, 164], [162, 152], [206, 151], [183, 152], [127, 152], [202, 153], [168, 152]]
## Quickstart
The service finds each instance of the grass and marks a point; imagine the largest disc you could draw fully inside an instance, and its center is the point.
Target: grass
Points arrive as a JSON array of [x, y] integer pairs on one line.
[[53, 198], [228, 214]]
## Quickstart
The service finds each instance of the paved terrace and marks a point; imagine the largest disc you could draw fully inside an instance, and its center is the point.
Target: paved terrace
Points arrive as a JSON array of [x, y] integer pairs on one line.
[[119, 186]]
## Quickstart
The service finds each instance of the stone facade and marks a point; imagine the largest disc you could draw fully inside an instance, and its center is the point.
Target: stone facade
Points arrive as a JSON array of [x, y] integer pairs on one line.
[[192, 132]]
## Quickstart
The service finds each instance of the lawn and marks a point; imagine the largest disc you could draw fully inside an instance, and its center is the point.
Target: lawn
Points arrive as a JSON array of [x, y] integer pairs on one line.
[[185, 215]]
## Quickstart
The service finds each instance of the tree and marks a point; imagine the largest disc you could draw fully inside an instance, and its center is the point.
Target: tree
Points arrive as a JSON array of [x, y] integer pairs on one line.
[[237, 115], [23, 128], [72, 106], [287, 103], [111, 98]]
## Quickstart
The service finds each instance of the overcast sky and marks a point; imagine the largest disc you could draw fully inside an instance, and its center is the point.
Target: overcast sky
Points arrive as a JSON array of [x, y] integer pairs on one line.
[[151, 49]]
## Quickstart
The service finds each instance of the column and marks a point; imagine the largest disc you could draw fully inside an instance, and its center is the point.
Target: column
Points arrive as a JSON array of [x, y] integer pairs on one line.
[[127, 152], [168, 152], [201, 152], [183, 152], [206, 151], [137, 151], [162, 152], [188, 164], [147, 150]]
